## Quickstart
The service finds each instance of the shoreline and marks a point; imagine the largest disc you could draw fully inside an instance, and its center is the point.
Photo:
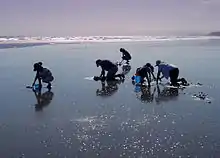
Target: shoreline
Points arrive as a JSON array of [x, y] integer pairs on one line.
[[104, 39], [16, 43]]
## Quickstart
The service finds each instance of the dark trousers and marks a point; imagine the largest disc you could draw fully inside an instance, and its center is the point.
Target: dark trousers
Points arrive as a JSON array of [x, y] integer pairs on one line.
[[111, 73], [174, 74], [126, 59]]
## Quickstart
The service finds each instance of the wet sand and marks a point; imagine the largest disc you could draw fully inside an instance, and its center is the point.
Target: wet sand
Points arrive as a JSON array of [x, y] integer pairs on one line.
[[83, 118]]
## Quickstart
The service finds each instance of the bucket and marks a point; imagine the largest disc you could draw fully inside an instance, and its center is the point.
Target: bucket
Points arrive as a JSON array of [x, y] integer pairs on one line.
[[137, 79]]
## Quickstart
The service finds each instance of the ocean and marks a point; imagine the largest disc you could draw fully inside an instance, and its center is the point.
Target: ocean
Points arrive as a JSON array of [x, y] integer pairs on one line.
[[83, 118]]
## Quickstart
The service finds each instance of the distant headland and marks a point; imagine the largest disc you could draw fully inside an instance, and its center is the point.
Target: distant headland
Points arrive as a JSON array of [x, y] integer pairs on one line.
[[216, 33]]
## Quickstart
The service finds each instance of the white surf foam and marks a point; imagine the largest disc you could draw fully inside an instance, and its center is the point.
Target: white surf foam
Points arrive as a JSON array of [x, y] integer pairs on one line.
[[84, 39]]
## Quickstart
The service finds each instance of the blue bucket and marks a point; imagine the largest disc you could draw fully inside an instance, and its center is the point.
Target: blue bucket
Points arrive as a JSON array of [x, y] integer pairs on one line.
[[36, 87], [137, 89], [137, 79]]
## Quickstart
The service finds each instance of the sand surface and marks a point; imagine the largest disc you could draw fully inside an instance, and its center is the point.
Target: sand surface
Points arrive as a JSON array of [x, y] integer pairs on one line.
[[83, 118]]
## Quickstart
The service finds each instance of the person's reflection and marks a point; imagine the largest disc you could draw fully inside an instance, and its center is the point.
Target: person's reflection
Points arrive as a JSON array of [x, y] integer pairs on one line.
[[147, 95], [126, 69], [108, 88], [167, 94], [43, 100]]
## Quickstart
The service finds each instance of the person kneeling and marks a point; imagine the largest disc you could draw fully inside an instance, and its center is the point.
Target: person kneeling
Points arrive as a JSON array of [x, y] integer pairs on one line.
[[42, 75], [111, 69], [169, 71]]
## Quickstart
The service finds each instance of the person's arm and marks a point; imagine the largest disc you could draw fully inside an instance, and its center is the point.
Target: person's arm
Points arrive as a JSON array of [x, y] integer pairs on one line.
[[149, 76], [158, 76], [102, 73], [161, 78], [121, 62], [153, 75], [40, 85], [35, 79], [123, 57], [148, 80], [123, 54]]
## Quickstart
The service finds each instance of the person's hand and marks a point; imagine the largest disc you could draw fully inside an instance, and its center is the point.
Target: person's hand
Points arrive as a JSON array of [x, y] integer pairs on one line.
[[40, 86], [103, 79], [132, 78], [96, 78]]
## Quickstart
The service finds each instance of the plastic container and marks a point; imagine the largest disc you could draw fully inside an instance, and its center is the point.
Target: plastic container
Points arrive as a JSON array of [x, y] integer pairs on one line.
[[36, 87], [137, 89], [137, 79]]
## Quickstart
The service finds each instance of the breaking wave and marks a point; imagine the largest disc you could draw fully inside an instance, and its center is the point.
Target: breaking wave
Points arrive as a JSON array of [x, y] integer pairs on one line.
[[82, 39]]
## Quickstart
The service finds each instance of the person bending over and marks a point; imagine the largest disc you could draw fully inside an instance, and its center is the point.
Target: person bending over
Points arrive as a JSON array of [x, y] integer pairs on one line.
[[42, 75], [111, 69], [145, 72], [150, 71], [169, 71], [125, 55]]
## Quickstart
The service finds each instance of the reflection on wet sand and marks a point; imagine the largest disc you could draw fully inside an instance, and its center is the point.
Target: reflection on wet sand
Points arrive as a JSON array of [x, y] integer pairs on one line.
[[43, 100], [126, 69], [111, 87], [147, 94], [108, 88], [167, 94]]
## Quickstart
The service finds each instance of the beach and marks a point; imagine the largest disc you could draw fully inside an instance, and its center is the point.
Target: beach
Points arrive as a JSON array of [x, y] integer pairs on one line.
[[77, 120]]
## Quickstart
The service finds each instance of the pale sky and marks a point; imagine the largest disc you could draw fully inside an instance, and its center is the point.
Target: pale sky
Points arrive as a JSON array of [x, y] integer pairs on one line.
[[107, 17]]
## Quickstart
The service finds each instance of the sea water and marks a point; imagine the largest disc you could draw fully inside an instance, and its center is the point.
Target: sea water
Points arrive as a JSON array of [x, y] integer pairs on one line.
[[84, 118]]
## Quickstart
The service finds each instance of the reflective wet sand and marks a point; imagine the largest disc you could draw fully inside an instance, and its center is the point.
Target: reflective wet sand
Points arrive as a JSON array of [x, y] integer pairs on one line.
[[84, 118]]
